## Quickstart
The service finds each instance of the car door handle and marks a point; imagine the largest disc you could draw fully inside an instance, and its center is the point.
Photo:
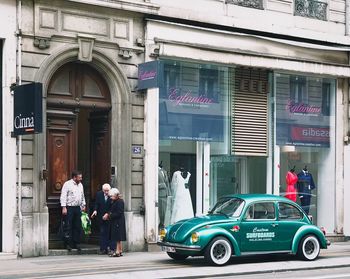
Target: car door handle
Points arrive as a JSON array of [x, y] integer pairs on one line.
[[274, 225]]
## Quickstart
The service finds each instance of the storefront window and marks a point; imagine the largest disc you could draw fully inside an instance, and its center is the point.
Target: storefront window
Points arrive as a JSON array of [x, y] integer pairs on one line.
[[305, 143], [194, 115], [199, 158]]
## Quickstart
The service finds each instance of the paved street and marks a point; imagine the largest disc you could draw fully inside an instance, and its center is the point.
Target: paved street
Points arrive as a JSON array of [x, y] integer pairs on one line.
[[158, 265]]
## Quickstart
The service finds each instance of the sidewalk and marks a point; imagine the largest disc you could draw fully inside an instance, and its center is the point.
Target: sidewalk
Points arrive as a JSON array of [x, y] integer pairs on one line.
[[159, 265]]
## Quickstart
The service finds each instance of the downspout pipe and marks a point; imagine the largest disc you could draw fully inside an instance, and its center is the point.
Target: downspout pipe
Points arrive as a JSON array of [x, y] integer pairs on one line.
[[347, 17], [19, 139]]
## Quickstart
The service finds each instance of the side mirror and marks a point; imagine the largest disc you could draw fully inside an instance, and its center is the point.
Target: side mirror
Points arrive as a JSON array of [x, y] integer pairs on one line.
[[310, 218]]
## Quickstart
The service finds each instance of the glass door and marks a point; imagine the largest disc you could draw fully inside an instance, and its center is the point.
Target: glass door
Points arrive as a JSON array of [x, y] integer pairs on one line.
[[228, 176]]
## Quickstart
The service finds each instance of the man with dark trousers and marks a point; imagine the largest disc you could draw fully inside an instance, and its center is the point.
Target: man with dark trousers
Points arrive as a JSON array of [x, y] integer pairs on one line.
[[102, 207], [72, 203]]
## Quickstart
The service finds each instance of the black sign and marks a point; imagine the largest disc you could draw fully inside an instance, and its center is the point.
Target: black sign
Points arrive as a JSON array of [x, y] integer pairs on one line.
[[150, 75], [27, 117]]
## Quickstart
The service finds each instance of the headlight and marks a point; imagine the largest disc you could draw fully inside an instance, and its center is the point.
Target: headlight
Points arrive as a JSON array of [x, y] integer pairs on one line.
[[162, 234], [195, 237]]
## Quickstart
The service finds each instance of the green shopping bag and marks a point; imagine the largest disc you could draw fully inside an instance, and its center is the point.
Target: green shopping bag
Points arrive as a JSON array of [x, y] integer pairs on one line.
[[86, 223]]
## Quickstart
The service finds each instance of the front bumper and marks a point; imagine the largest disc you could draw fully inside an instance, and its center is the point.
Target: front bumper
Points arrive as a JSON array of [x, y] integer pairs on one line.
[[180, 247]]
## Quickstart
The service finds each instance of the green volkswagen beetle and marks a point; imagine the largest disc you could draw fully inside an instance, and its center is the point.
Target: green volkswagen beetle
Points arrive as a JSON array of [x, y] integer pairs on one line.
[[241, 225]]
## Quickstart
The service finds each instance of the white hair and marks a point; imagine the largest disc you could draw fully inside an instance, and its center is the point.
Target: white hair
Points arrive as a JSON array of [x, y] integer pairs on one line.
[[114, 192], [106, 186]]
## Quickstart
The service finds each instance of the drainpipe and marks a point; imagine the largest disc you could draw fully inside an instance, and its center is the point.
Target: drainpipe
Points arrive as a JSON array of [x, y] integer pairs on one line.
[[19, 143], [347, 17]]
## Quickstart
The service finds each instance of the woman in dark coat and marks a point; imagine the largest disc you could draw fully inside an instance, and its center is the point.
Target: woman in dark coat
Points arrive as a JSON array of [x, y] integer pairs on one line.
[[117, 222]]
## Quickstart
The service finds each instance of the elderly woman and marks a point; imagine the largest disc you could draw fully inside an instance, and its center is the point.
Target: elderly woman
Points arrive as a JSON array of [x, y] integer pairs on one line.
[[117, 222]]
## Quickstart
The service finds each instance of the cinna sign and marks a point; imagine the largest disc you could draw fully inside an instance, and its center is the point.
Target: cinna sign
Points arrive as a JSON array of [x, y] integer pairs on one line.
[[27, 117]]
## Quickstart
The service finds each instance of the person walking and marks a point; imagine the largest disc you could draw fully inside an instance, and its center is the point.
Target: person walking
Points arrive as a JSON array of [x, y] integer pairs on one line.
[[117, 218], [73, 202], [101, 210]]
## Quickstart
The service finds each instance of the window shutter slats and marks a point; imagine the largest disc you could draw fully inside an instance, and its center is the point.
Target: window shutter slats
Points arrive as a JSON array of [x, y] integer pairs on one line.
[[249, 112]]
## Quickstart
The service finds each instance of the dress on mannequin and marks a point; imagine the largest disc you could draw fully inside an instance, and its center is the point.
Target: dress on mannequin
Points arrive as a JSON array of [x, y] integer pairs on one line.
[[291, 180], [182, 203]]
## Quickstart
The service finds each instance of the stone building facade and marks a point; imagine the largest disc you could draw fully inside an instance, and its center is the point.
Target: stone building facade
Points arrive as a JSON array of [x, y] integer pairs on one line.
[[283, 55]]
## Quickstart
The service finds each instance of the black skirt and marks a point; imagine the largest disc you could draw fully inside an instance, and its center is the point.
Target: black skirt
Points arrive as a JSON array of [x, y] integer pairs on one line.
[[117, 221]]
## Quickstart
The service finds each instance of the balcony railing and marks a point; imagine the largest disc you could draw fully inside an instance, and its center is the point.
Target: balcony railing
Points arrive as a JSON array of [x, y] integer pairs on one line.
[[257, 4], [311, 8]]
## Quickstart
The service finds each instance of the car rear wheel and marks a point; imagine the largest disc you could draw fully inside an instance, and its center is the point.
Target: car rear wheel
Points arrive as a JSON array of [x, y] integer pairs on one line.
[[218, 251], [309, 248], [176, 256]]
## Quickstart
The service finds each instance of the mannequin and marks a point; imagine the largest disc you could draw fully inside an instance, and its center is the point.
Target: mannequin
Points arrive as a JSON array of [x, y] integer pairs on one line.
[[291, 180], [305, 186], [182, 203], [163, 193]]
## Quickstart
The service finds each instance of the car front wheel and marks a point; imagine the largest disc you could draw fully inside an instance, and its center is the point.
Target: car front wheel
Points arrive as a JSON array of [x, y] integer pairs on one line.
[[176, 256], [309, 248], [218, 251]]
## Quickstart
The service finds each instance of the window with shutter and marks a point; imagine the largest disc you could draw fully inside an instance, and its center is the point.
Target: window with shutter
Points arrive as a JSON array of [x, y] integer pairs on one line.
[[249, 108]]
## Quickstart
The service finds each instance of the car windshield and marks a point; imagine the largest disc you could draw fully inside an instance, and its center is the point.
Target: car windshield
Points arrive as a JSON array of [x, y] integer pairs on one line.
[[231, 207]]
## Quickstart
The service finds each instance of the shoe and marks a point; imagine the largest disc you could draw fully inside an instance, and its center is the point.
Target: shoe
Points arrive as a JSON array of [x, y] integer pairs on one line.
[[102, 252], [66, 246], [77, 247], [115, 255]]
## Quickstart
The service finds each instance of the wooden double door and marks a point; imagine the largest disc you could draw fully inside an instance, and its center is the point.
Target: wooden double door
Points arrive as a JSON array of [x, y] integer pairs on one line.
[[78, 136]]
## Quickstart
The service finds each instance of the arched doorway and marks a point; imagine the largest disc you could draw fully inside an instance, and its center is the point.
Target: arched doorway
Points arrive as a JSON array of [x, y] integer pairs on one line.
[[78, 135]]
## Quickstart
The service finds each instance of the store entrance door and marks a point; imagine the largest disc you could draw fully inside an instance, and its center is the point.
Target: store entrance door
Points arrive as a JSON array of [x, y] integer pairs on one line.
[[228, 176]]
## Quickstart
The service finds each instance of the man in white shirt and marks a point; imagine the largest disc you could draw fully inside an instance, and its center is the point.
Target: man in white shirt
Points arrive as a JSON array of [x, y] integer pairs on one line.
[[72, 203]]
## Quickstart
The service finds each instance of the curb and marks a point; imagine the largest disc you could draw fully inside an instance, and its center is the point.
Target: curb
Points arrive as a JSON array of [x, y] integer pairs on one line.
[[259, 272]]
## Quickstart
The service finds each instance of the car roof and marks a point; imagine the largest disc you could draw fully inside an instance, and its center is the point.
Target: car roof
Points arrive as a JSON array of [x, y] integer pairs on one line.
[[258, 197]]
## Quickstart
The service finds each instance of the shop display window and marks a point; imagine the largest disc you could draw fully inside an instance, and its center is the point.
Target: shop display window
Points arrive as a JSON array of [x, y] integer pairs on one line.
[[305, 143], [197, 161]]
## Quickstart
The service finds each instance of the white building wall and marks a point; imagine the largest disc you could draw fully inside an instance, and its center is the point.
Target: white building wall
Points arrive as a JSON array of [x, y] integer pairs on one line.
[[277, 17], [7, 35]]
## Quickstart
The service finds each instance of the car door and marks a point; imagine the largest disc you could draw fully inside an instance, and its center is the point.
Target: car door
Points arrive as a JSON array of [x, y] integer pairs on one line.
[[258, 227], [290, 219]]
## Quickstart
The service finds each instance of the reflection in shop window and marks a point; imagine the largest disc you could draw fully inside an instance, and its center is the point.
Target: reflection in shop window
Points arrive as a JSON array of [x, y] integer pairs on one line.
[[288, 212], [305, 140]]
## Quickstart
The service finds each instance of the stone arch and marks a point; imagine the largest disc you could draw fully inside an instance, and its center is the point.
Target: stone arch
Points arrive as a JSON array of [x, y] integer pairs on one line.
[[120, 119]]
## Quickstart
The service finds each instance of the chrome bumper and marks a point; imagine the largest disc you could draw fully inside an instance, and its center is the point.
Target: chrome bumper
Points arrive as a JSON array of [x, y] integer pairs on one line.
[[180, 246]]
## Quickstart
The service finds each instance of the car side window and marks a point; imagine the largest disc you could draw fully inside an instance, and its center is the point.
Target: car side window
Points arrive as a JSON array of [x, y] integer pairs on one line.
[[262, 211], [288, 211]]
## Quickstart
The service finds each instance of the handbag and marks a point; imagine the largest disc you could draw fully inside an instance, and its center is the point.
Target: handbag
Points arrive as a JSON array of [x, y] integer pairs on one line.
[[63, 231], [86, 223]]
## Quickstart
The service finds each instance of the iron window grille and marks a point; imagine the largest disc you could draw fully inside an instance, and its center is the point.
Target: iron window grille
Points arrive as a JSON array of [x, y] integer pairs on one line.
[[257, 4], [311, 8]]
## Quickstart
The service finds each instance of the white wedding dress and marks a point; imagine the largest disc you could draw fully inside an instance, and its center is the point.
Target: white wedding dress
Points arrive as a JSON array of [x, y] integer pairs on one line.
[[182, 203]]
